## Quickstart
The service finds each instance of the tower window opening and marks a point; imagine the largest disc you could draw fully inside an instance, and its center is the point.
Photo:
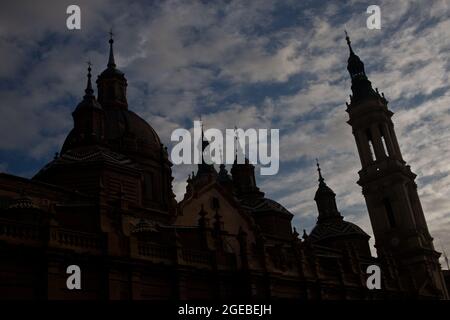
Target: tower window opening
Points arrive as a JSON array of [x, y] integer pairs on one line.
[[371, 147], [385, 148], [111, 92], [383, 142], [390, 213]]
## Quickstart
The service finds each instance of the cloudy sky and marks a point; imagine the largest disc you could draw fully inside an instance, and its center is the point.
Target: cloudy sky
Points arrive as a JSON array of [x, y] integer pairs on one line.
[[253, 64]]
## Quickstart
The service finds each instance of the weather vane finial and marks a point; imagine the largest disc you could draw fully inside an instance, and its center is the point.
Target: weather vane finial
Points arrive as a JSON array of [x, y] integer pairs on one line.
[[349, 43], [89, 90], [319, 171], [111, 62]]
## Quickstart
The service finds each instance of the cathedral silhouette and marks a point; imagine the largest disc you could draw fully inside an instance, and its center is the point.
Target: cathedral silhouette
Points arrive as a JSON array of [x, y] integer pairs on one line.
[[105, 203]]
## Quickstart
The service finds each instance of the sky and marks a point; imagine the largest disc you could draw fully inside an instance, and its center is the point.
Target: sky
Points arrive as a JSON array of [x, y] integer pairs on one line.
[[252, 64]]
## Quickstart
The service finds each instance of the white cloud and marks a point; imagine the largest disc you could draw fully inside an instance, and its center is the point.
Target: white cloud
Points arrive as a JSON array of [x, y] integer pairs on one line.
[[183, 59]]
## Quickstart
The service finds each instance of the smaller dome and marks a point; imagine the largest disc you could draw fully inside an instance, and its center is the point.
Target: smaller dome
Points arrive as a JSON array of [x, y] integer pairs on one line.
[[263, 205], [88, 102], [336, 229], [324, 189], [111, 72]]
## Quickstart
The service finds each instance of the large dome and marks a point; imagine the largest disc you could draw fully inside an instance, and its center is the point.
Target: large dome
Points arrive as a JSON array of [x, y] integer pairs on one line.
[[125, 124], [108, 123], [123, 131]]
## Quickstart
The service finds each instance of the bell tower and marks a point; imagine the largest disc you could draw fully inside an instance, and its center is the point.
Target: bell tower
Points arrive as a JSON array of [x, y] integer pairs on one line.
[[112, 84], [388, 185], [88, 117]]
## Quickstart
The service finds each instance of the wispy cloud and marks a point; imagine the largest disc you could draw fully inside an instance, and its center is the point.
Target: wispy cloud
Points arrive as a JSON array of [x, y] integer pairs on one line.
[[251, 64]]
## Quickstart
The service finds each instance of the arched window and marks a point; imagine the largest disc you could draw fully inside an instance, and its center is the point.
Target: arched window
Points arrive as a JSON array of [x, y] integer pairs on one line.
[[383, 141], [370, 142], [385, 148]]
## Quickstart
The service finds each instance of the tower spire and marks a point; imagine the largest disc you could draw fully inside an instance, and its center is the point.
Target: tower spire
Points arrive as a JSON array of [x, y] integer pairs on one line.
[[89, 92], [87, 118], [203, 166], [239, 153], [205, 142], [243, 172], [361, 86], [354, 66], [321, 179], [349, 43], [223, 176], [111, 83], [390, 190], [111, 62], [326, 200]]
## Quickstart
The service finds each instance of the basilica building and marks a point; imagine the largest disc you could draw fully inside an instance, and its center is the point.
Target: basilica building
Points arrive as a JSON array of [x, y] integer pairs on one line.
[[105, 203]]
